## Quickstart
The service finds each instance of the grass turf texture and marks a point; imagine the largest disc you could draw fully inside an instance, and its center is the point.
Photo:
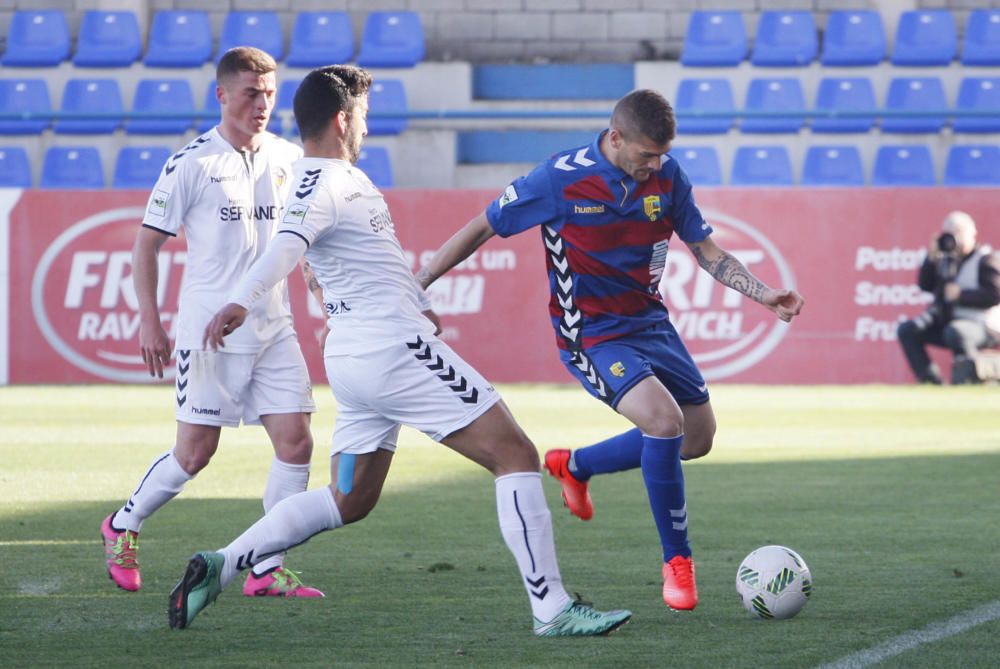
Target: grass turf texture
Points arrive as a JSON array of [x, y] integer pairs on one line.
[[889, 493]]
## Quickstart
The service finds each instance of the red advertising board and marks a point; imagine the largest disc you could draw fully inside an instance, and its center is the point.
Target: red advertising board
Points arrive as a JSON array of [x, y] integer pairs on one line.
[[71, 313]]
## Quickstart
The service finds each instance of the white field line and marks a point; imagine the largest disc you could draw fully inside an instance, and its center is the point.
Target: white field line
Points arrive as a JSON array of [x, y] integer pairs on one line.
[[908, 640]]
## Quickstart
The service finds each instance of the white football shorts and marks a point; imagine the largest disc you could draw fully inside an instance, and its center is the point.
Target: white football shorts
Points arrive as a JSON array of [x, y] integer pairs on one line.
[[417, 381], [219, 388]]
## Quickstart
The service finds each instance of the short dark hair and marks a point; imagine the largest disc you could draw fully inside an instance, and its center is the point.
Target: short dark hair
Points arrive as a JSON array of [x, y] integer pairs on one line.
[[326, 91], [644, 113], [244, 59]]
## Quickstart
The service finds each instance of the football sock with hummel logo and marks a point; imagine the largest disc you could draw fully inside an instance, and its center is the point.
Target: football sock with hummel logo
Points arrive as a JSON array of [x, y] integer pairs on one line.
[[526, 526], [664, 477], [162, 482], [284, 480], [616, 454], [290, 522]]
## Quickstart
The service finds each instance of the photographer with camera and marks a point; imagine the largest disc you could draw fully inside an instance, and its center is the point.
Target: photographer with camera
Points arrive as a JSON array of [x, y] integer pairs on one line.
[[964, 317]]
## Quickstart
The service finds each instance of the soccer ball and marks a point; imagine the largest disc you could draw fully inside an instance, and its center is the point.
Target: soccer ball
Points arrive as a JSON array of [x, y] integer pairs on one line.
[[773, 582]]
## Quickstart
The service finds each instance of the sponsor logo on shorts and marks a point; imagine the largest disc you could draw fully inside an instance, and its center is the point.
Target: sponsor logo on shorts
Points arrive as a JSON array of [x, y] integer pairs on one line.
[[206, 412], [618, 369]]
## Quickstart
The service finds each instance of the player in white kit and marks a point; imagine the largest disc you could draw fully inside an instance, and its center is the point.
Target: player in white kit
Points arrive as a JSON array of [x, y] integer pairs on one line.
[[386, 367], [226, 191]]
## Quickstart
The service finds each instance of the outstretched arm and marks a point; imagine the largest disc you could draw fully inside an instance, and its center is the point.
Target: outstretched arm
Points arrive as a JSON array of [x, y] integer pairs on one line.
[[455, 250], [730, 272], [282, 254]]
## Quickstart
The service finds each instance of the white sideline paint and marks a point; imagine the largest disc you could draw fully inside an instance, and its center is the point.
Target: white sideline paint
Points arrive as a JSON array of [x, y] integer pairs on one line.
[[909, 640]]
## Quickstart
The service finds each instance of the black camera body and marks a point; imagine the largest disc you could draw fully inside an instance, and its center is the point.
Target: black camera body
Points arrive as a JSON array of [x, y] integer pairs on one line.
[[947, 243]]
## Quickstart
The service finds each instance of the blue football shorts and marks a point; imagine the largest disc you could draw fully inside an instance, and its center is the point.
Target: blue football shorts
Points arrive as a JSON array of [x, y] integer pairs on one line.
[[610, 369]]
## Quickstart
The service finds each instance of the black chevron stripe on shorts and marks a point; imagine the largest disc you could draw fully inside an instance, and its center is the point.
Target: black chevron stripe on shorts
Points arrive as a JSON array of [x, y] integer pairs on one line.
[[443, 371], [183, 367]]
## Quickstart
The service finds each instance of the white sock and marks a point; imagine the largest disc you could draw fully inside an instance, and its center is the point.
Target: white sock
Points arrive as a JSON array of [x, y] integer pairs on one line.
[[526, 525], [284, 481], [164, 479], [292, 521]]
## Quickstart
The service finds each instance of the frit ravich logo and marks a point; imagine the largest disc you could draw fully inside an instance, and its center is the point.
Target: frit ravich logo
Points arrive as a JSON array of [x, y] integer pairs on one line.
[[84, 301], [725, 331]]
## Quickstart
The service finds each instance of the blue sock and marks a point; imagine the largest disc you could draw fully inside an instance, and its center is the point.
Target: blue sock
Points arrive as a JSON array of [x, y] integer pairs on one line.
[[661, 469], [617, 454]]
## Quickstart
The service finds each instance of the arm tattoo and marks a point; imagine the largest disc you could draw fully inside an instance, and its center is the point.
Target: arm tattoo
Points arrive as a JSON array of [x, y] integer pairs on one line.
[[730, 272], [424, 277], [311, 282]]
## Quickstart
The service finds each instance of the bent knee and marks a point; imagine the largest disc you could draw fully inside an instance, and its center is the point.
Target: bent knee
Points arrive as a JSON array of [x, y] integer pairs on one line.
[[354, 506], [698, 447], [516, 455], [664, 426], [297, 451]]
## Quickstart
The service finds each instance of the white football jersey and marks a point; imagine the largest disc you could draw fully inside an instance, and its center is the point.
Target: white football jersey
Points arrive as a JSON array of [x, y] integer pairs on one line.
[[369, 292], [228, 204]]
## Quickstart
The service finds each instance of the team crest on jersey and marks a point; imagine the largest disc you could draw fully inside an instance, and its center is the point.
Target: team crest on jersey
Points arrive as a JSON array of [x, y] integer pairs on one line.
[[651, 207], [509, 195], [618, 369], [280, 177], [158, 203], [295, 214]]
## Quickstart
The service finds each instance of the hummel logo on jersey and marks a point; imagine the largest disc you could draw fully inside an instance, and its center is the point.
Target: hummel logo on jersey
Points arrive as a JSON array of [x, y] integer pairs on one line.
[[219, 180], [579, 159], [352, 197], [308, 183], [172, 162], [589, 209]]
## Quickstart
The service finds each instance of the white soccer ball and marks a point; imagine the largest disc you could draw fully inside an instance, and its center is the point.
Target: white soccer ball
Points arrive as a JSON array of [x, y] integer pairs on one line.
[[773, 582]]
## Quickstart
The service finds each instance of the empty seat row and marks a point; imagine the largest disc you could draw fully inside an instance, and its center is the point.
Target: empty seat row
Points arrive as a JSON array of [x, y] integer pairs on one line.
[[920, 104], [166, 106], [40, 38], [852, 38], [135, 167], [841, 165]]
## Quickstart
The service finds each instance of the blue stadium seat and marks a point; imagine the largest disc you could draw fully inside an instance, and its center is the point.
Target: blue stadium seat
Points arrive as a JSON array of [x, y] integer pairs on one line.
[[915, 94], [925, 37], [90, 96], [853, 38], [139, 166], [167, 96], [777, 94], [374, 161], [15, 170], [761, 166], [386, 96], [552, 81], [257, 29], [852, 94], [391, 39], [211, 105], [72, 167], [321, 38], [981, 45], [973, 165], [704, 95], [179, 39], [108, 39], [833, 166], [285, 104], [714, 39], [978, 94], [700, 164], [37, 38], [19, 96], [785, 39], [516, 146], [903, 165]]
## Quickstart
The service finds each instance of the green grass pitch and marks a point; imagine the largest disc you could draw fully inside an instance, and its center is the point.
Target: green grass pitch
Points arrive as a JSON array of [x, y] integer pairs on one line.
[[891, 495]]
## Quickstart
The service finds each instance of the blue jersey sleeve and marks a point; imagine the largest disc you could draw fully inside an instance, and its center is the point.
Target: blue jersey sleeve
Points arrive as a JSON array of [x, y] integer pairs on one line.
[[527, 202], [689, 224]]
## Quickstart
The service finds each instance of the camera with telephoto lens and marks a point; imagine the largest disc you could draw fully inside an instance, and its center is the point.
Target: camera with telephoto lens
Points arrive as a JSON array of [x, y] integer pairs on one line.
[[947, 243]]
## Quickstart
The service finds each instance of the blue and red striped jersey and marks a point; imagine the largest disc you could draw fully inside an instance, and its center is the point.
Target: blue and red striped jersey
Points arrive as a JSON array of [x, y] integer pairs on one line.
[[606, 238]]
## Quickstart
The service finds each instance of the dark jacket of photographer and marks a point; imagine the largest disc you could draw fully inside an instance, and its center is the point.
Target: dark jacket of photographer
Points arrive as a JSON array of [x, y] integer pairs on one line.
[[978, 275]]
